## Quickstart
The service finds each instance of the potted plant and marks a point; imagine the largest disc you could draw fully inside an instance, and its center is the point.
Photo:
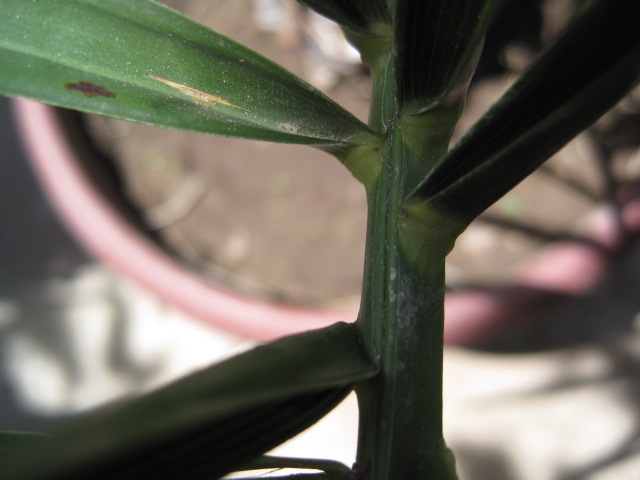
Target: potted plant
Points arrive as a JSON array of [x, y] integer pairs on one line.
[[143, 62]]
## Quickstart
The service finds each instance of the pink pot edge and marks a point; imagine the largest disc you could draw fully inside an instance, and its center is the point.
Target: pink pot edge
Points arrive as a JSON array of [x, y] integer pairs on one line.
[[567, 269]]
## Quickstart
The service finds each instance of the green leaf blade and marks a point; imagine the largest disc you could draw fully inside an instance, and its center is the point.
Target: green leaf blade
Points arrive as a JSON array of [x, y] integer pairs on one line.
[[144, 62], [212, 421], [216, 449], [579, 77], [438, 43]]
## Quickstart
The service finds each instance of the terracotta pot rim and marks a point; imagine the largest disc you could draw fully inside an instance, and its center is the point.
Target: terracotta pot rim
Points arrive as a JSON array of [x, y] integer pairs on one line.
[[568, 268]]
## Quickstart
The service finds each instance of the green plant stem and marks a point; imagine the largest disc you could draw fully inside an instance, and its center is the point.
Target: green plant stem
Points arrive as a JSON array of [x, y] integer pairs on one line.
[[402, 318], [402, 310]]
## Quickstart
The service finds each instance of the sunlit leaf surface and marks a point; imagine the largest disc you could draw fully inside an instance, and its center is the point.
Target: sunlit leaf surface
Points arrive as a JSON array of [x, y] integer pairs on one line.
[[141, 61]]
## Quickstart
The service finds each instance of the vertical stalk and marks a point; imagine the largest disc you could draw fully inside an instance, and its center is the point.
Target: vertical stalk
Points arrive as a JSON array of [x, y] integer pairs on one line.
[[402, 320], [402, 309]]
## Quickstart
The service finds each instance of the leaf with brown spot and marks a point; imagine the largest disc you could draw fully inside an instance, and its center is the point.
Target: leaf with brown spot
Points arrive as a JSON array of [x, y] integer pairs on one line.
[[152, 65]]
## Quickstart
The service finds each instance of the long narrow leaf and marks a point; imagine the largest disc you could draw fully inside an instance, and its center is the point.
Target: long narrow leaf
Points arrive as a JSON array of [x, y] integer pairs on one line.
[[218, 448], [213, 421], [141, 61], [581, 75], [438, 44]]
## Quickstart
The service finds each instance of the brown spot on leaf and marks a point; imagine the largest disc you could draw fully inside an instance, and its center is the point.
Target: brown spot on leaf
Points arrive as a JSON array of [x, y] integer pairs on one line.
[[90, 90]]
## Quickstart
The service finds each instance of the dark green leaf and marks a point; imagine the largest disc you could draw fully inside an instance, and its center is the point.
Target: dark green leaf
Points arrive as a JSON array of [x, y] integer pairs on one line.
[[360, 16], [141, 61], [213, 421], [217, 448], [593, 63], [438, 43], [14, 440]]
